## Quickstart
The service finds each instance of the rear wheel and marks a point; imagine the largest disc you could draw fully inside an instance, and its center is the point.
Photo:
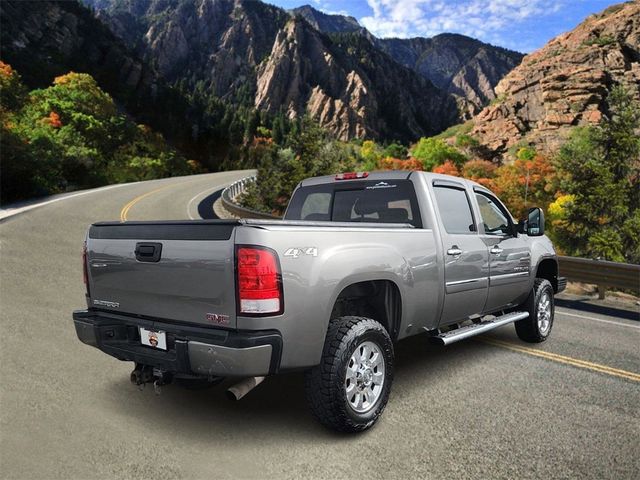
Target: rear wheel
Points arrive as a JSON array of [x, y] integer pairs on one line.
[[540, 305], [349, 389]]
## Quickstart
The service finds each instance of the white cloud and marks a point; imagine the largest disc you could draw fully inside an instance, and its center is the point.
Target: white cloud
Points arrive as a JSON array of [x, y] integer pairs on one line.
[[483, 19]]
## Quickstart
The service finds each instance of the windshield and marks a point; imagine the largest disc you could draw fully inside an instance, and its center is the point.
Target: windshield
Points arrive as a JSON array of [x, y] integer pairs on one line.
[[392, 201]]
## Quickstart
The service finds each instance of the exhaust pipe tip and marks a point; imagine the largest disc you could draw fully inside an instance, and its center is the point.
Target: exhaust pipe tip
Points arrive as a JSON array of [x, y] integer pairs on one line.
[[232, 395], [240, 389]]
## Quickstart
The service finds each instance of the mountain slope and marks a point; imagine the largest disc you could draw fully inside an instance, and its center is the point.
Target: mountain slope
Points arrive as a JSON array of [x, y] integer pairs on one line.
[[216, 42], [328, 23], [43, 40], [565, 83], [459, 65], [349, 86], [255, 54]]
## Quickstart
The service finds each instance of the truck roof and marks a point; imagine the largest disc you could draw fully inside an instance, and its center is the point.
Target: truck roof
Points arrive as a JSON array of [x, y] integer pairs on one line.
[[388, 175]]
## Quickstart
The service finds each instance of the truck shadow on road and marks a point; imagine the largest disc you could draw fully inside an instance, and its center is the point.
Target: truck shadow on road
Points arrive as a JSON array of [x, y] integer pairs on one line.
[[277, 407]]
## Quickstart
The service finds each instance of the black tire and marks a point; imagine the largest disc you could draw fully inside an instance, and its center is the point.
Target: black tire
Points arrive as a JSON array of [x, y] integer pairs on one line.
[[325, 384], [529, 329]]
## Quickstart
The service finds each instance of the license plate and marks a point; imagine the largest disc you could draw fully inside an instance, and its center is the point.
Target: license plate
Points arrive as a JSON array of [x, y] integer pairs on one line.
[[153, 339]]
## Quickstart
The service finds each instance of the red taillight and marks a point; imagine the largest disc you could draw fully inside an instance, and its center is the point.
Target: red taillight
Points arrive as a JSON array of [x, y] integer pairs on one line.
[[259, 281], [85, 272], [351, 175]]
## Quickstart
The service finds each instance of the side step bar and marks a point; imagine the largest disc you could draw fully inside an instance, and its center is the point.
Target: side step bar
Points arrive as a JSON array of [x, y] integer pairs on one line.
[[452, 336]]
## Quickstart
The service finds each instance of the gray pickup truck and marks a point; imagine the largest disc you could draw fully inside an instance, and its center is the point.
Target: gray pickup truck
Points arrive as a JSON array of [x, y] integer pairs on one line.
[[359, 262]]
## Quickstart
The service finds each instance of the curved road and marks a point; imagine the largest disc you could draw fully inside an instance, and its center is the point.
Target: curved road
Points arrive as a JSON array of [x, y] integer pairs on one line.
[[487, 408]]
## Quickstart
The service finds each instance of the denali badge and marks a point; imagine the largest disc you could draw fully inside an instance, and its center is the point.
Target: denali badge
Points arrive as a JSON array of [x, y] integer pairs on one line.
[[105, 303], [218, 318]]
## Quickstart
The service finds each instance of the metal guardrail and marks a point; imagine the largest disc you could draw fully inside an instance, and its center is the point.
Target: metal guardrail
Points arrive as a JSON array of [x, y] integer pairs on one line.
[[601, 273], [231, 193]]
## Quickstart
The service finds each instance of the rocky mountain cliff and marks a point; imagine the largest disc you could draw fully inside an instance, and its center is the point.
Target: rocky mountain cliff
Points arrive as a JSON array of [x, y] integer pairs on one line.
[[459, 65], [565, 83], [249, 54], [252, 53], [218, 42], [349, 86], [328, 23]]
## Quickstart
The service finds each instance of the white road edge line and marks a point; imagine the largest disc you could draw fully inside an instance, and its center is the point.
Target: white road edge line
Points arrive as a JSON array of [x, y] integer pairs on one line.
[[211, 190], [10, 212], [598, 319]]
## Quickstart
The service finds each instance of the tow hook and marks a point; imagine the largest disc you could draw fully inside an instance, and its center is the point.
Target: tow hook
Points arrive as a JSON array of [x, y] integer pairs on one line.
[[161, 379]]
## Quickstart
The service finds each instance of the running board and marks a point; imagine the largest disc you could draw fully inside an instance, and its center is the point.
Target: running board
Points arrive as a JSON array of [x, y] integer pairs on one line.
[[461, 333]]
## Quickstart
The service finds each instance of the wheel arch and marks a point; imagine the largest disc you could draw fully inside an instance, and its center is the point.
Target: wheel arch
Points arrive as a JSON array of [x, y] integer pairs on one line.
[[547, 268], [378, 298]]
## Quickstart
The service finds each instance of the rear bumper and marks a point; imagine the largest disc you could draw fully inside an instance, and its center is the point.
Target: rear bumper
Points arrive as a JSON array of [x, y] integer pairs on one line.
[[190, 350]]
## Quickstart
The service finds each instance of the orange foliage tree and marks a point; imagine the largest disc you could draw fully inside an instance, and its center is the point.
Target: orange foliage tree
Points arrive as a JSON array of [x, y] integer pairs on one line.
[[447, 168], [53, 119], [481, 171], [390, 163], [526, 183]]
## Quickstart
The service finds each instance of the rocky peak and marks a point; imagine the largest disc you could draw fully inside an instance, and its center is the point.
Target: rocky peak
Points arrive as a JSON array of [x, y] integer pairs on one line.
[[302, 75], [463, 66], [565, 83], [328, 23]]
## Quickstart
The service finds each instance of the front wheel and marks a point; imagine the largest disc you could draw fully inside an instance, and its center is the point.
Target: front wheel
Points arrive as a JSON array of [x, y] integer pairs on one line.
[[537, 327], [350, 388]]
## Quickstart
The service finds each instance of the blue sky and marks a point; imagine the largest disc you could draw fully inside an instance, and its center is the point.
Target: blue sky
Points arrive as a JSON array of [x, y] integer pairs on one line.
[[522, 25]]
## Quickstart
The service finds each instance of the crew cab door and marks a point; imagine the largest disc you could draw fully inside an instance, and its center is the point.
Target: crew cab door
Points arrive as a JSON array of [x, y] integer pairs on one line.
[[465, 254], [509, 254]]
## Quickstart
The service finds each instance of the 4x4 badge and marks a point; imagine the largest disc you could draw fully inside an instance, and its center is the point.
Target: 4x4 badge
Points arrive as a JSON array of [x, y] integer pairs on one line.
[[295, 252]]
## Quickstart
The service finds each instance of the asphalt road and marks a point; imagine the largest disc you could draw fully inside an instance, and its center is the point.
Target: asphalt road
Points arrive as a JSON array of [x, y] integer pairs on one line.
[[491, 407]]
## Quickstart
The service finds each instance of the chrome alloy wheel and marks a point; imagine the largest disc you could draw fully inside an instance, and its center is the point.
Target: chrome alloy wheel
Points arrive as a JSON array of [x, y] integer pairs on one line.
[[364, 378], [544, 313]]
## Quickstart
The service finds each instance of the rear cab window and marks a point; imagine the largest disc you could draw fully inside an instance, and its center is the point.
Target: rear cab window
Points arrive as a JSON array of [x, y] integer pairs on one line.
[[387, 201]]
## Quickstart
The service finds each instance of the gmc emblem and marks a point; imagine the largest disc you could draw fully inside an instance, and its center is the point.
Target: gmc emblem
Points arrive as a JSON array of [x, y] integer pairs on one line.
[[218, 318]]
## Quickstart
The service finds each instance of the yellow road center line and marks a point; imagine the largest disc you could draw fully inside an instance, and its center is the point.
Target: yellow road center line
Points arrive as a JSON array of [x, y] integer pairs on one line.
[[596, 367], [125, 210]]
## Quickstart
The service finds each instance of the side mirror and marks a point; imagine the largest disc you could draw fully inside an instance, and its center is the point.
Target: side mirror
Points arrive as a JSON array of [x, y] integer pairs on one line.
[[534, 224]]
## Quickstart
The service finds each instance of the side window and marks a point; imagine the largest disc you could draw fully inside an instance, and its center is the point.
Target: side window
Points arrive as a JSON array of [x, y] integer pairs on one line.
[[495, 219], [316, 207], [455, 210]]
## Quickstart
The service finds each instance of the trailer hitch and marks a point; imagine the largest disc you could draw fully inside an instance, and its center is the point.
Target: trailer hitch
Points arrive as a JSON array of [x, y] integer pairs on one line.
[[143, 374]]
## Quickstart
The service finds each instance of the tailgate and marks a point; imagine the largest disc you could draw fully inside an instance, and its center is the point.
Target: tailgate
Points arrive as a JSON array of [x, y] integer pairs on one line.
[[177, 271]]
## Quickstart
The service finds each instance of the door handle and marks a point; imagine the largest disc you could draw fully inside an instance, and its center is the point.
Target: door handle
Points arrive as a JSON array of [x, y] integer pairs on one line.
[[496, 250], [454, 251]]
